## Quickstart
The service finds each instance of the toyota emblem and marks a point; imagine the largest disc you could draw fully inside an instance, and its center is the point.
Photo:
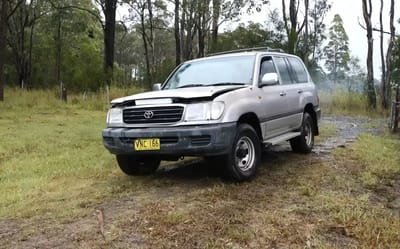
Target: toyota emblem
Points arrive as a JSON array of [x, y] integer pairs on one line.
[[148, 114]]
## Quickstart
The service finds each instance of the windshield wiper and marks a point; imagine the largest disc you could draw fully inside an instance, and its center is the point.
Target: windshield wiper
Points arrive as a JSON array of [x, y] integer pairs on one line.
[[191, 85], [227, 84]]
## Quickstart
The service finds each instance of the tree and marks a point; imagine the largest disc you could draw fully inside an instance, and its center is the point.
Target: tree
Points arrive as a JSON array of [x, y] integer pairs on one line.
[[337, 51], [150, 16], [3, 33], [384, 96], [252, 35], [21, 28], [395, 62], [370, 88], [109, 8], [389, 57], [356, 75], [291, 25], [304, 35], [177, 34]]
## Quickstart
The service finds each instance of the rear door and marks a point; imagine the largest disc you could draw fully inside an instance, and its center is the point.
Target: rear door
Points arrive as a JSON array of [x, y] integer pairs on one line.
[[298, 90]]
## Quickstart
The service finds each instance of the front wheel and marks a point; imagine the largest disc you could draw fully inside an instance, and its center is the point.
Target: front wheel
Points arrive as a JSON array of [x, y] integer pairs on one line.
[[132, 165], [305, 142], [245, 154]]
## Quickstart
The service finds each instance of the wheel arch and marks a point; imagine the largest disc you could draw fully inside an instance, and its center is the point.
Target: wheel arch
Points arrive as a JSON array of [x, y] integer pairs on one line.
[[309, 108], [251, 119]]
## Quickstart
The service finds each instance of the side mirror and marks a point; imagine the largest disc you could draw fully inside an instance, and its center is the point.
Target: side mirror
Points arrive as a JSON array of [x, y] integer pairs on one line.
[[269, 79], [157, 87]]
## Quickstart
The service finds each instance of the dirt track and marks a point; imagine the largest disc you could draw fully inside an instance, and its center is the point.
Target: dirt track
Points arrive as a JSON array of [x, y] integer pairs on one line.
[[180, 184]]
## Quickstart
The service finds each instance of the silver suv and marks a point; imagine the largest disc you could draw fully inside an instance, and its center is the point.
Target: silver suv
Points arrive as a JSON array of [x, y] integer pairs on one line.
[[226, 106]]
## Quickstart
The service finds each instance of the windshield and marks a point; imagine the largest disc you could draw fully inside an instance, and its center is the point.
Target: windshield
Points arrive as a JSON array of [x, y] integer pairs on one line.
[[233, 70]]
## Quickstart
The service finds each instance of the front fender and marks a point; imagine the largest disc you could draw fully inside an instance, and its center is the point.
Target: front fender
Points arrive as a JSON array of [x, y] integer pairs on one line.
[[240, 102]]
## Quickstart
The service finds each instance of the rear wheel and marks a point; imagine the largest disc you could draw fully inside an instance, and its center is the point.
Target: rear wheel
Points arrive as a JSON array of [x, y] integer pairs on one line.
[[132, 165], [245, 154], [305, 142]]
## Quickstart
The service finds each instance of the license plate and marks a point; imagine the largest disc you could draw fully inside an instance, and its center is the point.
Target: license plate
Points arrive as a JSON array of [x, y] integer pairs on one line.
[[147, 144]]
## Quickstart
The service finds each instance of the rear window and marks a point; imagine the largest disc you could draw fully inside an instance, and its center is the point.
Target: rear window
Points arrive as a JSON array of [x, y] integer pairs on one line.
[[299, 70]]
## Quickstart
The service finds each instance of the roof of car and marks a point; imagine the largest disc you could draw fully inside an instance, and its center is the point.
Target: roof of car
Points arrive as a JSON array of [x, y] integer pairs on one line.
[[256, 49], [246, 51]]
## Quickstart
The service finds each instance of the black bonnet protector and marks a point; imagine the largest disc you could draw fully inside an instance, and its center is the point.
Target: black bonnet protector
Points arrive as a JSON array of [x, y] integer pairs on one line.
[[182, 100]]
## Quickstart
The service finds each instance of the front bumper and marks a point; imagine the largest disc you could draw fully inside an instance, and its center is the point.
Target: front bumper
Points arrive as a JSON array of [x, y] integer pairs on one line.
[[201, 140]]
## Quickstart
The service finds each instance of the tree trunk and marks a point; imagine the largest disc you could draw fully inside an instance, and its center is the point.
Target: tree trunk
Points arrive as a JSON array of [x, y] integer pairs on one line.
[[367, 12], [390, 51], [384, 100], [58, 50], [151, 37], [110, 8], [291, 31], [293, 36], [183, 28], [3, 33], [29, 64], [177, 35], [148, 78], [200, 28], [215, 18], [306, 33]]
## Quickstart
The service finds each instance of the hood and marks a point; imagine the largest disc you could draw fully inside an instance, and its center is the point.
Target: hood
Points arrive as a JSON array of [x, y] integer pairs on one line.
[[182, 93]]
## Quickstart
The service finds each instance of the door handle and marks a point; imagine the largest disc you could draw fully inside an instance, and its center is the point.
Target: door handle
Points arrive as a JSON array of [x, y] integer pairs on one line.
[[282, 94], [300, 91]]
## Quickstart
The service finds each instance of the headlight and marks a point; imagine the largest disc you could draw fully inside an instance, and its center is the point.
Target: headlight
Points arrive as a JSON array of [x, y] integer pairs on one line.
[[114, 116], [204, 111]]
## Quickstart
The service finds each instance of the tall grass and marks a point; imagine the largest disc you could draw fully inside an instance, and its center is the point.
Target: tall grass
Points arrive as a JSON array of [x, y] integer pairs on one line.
[[50, 98], [345, 103]]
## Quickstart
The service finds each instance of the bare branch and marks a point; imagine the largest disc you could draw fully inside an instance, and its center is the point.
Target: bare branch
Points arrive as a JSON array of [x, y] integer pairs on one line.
[[14, 9], [373, 29]]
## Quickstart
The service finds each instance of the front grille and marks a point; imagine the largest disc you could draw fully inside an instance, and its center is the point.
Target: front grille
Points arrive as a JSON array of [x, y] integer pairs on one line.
[[167, 114]]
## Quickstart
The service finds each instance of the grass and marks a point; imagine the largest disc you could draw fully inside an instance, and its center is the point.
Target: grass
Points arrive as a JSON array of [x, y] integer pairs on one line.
[[352, 104], [54, 172], [52, 153], [378, 158]]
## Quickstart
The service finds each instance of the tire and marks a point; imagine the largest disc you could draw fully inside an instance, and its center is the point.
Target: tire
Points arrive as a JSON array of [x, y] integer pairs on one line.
[[132, 165], [305, 142], [245, 155]]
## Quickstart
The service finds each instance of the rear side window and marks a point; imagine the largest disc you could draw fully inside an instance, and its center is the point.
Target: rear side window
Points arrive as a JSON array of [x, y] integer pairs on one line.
[[298, 69], [283, 70]]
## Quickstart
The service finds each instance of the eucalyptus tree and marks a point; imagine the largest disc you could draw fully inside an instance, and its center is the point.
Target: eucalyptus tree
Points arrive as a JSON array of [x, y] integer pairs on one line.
[[3, 35], [370, 88], [337, 52], [389, 55], [150, 18]]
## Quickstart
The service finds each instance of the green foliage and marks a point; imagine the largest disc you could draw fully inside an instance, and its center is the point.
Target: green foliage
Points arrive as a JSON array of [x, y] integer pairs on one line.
[[337, 51], [80, 42], [252, 35]]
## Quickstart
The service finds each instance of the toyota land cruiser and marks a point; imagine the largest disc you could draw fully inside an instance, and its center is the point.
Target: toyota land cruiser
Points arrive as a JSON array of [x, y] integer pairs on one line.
[[226, 106]]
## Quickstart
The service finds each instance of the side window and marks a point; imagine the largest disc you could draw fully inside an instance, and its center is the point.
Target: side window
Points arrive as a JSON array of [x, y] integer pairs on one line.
[[283, 71], [298, 69], [266, 66]]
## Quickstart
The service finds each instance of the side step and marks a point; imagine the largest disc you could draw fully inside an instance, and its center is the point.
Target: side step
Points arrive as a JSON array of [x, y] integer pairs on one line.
[[281, 138]]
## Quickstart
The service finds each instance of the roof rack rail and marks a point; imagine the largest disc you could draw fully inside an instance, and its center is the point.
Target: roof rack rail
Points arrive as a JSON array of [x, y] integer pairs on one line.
[[266, 49]]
